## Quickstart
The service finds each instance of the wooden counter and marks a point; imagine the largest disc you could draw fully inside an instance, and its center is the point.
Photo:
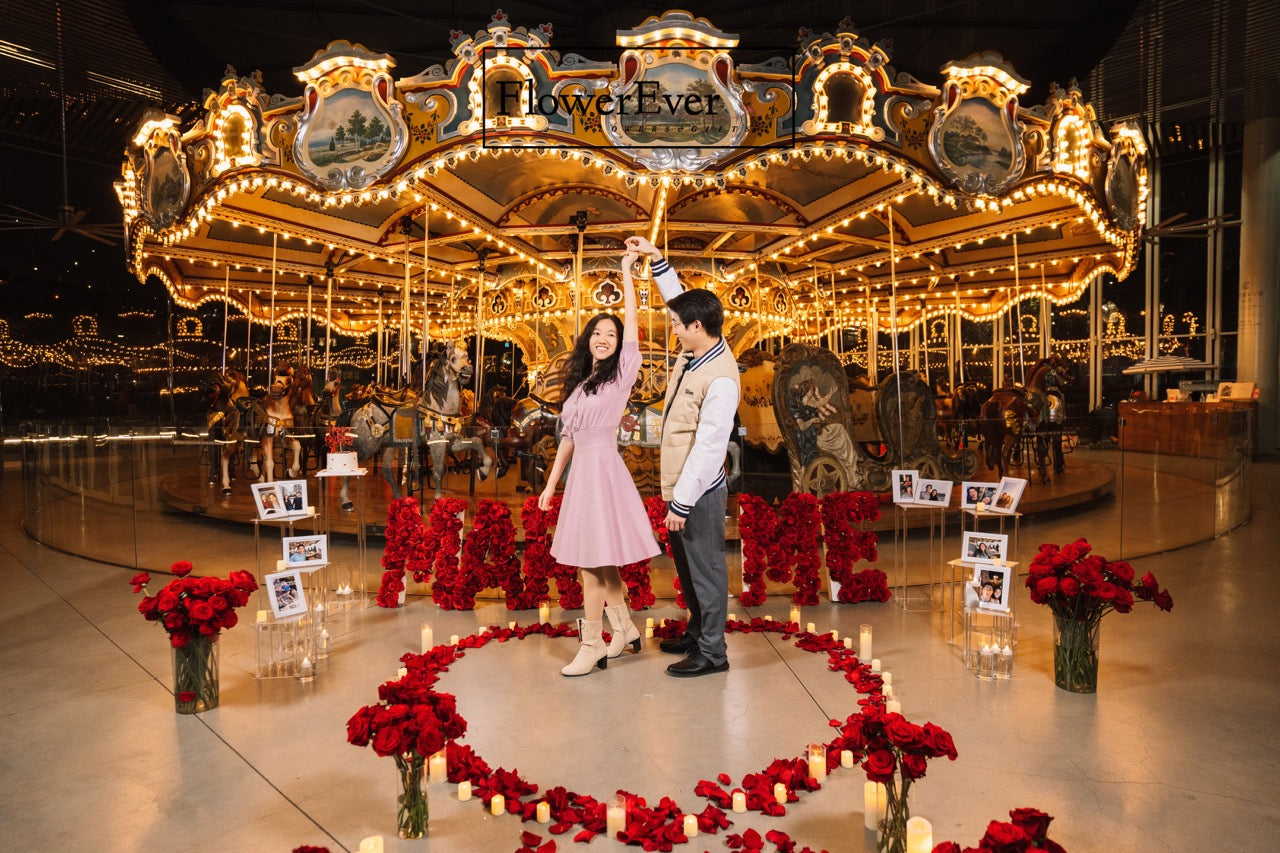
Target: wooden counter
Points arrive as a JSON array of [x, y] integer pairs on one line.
[[1215, 430]]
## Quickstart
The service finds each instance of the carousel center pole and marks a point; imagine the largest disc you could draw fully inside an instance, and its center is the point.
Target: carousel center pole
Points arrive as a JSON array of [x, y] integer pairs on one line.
[[248, 344], [893, 325], [426, 281], [328, 315], [1017, 310], [226, 311]]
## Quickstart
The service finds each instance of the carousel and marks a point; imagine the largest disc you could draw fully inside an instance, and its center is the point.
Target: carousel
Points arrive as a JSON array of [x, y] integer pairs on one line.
[[842, 209]]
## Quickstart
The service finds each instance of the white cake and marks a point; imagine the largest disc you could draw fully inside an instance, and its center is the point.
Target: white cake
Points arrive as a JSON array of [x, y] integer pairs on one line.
[[344, 461]]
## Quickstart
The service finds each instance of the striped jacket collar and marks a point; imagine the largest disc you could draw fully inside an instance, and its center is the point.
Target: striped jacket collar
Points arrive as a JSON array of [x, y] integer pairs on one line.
[[716, 349]]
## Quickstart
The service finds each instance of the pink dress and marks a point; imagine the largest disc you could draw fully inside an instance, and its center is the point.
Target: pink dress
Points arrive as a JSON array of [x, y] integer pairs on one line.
[[602, 519]]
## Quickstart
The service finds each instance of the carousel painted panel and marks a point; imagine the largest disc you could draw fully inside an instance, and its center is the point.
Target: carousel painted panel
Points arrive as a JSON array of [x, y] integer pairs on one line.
[[976, 137], [351, 131], [811, 401], [161, 166]]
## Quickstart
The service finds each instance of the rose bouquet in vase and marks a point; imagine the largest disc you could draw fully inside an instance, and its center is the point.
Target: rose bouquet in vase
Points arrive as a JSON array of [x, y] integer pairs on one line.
[[1080, 588], [194, 610], [410, 724], [1027, 829]]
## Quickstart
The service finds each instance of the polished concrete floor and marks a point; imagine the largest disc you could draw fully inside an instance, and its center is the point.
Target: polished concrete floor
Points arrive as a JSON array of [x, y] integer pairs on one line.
[[1176, 751]]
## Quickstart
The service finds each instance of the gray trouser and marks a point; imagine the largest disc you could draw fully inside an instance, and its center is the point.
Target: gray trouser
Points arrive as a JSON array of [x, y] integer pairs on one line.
[[704, 576]]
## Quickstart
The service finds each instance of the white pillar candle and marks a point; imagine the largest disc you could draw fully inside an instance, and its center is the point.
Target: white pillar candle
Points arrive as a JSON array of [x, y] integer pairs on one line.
[[795, 613], [544, 612], [690, 826], [402, 672], [428, 639], [864, 642], [544, 812], [464, 791], [846, 758], [812, 628], [848, 643], [497, 804], [512, 624], [919, 835], [875, 665], [453, 639], [648, 633], [768, 618], [874, 802], [887, 691], [818, 761], [835, 635], [780, 793], [615, 820], [372, 844], [886, 677], [648, 623], [893, 706], [438, 767], [739, 802], [733, 617]]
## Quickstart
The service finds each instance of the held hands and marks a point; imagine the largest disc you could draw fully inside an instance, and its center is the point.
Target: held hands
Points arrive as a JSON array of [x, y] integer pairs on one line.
[[628, 260], [640, 245]]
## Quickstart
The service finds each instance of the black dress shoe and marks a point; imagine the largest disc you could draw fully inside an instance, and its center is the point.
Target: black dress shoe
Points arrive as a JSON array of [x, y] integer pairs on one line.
[[695, 664], [682, 645]]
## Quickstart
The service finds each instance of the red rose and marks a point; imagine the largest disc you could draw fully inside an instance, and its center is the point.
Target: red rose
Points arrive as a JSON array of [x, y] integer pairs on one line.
[[387, 741], [1106, 591], [947, 847], [358, 728], [1033, 822], [904, 734], [1122, 571], [140, 580], [167, 599], [1070, 587], [879, 765], [186, 696], [1005, 838], [219, 602], [1150, 583], [1164, 600], [148, 606], [181, 568], [202, 611], [1045, 587], [913, 766], [1124, 600], [939, 742]]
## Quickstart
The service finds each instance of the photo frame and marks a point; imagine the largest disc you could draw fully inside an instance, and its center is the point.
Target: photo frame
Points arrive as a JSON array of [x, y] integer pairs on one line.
[[903, 486], [983, 549], [284, 591], [1008, 494], [306, 551], [993, 588], [935, 493], [268, 500], [974, 494], [293, 494]]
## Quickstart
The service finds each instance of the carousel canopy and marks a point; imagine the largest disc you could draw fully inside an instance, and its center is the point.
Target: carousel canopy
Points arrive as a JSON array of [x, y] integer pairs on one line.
[[813, 191]]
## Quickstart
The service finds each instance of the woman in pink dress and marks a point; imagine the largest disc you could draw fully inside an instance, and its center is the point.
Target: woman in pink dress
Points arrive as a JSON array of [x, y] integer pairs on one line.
[[603, 524]]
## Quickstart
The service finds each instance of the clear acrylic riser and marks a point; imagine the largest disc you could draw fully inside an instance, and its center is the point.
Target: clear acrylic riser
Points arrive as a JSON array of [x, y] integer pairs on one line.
[[346, 571], [993, 629], [293, 647], [931, 594]]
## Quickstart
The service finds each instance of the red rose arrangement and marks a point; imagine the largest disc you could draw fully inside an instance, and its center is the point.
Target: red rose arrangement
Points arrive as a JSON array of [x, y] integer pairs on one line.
[[405, 550], [1027, 830], [846, 545], [539, 565], [756, 524], [489, 555], [194, 608], [443, 542], [338, 438], [656, 508], [410, 723], [1080, 588]]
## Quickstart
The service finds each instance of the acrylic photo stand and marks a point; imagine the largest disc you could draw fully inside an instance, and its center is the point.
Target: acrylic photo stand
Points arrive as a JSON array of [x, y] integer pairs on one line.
[[349, 588], [929, 595]]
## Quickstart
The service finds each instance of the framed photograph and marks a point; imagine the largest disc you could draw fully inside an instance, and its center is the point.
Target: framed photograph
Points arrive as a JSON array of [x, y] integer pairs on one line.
[[983, 549], [993, 588], [293, 495], [306, 551], [903, 484], [267, 497], [1173, 395], [1008, 494], [974, 494], [284, 589], [933, 493]]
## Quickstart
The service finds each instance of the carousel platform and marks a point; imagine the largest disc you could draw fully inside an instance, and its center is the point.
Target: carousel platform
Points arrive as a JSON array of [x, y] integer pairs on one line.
[[1082, 483]]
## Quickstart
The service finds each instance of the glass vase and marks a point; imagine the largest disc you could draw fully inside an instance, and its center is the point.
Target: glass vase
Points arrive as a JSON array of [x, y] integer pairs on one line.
[[893, 826], [195, 675], [411, 816], [1075, 654]]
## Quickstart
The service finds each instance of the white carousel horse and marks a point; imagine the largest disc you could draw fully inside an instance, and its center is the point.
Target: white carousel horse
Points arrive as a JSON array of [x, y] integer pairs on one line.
[[371, 429], [441, 412]]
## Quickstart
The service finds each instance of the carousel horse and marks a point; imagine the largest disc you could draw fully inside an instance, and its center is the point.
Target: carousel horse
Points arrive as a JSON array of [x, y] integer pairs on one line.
[[307, 414], [440, 411], [224, 424], [1036, 411], [278, 411], [958, 411], [532, 438], [376, 415]]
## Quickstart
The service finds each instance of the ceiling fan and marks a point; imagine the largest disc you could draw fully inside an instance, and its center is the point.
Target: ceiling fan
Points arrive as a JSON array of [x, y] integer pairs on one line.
[[69, 219]]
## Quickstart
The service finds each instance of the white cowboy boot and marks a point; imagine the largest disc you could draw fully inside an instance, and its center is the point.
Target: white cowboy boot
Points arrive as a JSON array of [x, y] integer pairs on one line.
[[623, 629], [592, 652]]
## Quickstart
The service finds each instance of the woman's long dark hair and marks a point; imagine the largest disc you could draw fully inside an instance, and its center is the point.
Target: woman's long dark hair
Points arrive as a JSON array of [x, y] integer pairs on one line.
[[581, 368]]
